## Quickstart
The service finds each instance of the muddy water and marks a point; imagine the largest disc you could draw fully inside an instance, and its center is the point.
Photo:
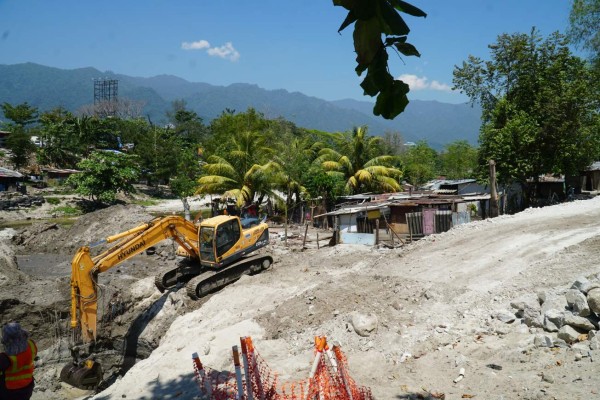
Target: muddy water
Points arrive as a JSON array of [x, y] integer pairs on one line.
[[45, 265]]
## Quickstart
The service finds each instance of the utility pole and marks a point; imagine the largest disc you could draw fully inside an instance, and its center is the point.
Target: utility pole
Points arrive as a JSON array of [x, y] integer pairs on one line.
[[493, 192]]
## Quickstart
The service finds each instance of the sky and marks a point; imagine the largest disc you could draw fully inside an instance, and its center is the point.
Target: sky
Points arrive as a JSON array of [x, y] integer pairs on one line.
[[284, 44]]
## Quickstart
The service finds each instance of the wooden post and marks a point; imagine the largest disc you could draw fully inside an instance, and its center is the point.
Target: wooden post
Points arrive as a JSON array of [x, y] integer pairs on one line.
[[493, 191], [305, 233], [392, 234], [377, 231], [317, 240]]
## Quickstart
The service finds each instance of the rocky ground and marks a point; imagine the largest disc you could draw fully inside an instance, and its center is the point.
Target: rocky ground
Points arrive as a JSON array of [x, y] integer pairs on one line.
[[512, 301]]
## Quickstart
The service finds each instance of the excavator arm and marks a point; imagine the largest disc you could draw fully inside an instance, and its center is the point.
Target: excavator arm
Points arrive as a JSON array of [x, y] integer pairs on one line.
[[85, 268]]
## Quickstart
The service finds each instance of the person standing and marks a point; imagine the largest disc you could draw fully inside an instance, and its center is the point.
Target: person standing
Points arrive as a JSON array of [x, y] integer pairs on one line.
[[16, 363]]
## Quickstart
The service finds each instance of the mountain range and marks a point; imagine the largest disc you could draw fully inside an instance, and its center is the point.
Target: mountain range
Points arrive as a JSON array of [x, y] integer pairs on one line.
[[48, 87]]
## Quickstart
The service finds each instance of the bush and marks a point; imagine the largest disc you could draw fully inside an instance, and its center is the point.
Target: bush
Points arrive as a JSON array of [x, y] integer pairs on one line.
[[53, 200]]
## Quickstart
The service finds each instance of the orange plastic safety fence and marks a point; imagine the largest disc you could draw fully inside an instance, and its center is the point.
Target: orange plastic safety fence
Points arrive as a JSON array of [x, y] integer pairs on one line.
[[331, 381], [216, 385]]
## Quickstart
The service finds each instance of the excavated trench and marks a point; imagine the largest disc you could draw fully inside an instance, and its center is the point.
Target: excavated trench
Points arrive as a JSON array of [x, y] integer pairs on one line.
[[40, 300]]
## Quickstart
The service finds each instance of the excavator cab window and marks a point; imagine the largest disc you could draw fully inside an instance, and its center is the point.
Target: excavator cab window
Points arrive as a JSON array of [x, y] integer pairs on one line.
[[228, 233], [207, 252]]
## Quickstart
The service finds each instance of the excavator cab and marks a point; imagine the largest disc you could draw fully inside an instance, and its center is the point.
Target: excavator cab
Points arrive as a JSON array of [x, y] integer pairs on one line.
[[219, 239]]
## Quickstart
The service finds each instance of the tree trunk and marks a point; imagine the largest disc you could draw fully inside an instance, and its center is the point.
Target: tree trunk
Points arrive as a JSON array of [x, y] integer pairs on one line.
[[493, 191], [186, 209]]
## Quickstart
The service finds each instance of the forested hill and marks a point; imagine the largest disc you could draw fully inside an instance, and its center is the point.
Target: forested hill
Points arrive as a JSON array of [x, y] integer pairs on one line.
[[47, 87]]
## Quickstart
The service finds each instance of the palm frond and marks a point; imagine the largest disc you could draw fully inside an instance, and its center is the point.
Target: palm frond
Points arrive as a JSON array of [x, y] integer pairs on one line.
[[363, 176], [331, 166], [388, 184]]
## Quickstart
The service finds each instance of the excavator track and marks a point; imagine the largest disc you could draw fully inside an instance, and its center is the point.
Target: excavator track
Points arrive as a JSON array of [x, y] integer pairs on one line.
[[169, 278], [213, 280]]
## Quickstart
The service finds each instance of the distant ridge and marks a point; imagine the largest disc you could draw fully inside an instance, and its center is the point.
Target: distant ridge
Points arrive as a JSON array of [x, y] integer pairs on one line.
[[47, 87]]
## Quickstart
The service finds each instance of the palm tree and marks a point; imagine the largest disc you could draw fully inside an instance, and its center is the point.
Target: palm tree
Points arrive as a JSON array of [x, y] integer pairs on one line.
[[240, 173], [360, 163]]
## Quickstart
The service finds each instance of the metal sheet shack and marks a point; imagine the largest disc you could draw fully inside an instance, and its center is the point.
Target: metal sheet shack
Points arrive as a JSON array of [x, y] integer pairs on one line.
[[397, 216], [358, 224], [9, 180]]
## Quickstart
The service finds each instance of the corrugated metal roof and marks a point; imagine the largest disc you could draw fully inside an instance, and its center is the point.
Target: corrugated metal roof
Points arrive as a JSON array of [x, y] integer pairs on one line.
[[594, 167], [9, 173], [354, 210], [60, 171]]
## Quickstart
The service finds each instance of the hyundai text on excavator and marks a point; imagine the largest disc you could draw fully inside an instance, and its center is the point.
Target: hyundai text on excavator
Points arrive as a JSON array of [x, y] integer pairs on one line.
[[219, 249]]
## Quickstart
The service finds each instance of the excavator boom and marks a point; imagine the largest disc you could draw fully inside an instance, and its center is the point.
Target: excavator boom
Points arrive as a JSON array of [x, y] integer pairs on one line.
[[85, 268]]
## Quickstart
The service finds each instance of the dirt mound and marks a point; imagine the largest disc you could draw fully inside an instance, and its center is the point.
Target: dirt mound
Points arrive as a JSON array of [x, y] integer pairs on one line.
[[89, 228], [9, 270]]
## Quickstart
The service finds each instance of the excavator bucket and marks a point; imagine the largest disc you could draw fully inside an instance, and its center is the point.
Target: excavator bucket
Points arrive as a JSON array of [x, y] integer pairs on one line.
[[86, 376]]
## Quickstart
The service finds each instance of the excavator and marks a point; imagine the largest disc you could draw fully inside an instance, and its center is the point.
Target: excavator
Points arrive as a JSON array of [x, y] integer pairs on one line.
[[219, 251]]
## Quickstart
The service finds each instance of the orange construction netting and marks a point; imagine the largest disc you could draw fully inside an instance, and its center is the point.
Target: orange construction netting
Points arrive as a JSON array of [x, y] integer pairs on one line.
[[329, 378]]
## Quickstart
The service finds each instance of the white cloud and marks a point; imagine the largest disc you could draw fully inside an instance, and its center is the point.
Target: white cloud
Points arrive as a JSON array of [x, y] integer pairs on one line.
[[199, 45], [422, 83], [435, 85], [414, 82], [227, 51]]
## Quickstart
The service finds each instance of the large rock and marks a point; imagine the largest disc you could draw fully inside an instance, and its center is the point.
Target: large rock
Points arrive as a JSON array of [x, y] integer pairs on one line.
[[593, 299], [504, 316], [543, 341], [578, 302], [578, 322], [568, 334], [554, 301], [553, 320], [364, 324], [584, 285], [532, 317]]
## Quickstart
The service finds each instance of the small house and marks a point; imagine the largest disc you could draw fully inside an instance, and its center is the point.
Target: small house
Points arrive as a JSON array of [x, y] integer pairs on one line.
[[57, 175], [591, 178], [9, 180]]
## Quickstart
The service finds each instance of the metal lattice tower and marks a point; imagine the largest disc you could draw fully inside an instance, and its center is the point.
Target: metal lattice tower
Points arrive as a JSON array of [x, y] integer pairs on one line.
[[106, 93]]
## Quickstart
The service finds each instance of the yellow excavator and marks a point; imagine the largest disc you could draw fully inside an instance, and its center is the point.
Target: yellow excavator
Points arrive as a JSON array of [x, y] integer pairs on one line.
[[220, 251]]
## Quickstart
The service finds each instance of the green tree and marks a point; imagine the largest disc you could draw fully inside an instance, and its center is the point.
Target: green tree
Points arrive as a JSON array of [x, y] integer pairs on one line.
[[358, 159], [157, 150], [583, 31], [19, 139], [21, 147], [372, 20], [187, 124], [320, 184], [104, 174], [184, 183], [60, 139], [420, 163], [459, 160], [21, 114], [540, 107], [229, 125], [241, 172]]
